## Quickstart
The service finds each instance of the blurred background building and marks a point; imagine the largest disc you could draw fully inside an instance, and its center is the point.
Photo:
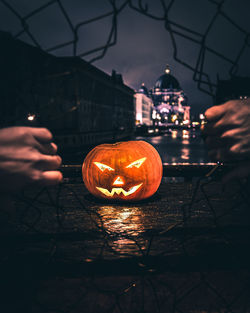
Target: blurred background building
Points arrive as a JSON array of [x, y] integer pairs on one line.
[[170, 101], [165, 104], [78, 102], [144, 107]]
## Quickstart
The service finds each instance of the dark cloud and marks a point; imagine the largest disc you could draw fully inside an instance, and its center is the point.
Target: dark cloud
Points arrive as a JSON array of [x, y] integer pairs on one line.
[[144, 46]]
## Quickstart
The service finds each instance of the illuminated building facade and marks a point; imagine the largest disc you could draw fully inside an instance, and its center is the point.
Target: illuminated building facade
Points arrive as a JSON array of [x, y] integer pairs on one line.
[[170, 102], [144, 107]]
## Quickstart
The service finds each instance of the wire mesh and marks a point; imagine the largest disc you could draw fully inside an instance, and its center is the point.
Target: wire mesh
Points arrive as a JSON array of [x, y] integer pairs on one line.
[[176, 30], [183, 250]]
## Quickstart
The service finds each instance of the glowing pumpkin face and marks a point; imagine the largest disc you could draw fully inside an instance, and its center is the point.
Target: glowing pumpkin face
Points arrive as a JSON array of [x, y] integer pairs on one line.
[[125, 171]]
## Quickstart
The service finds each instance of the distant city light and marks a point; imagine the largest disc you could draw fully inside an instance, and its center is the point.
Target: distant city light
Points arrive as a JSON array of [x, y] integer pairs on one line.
[[185, 134], [195, 124], [174, 134], [154, 115], [174, 118], [167, 70], [31, 117]]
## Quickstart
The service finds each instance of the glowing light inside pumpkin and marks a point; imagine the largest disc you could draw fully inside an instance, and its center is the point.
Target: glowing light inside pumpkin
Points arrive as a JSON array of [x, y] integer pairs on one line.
[[137, 163], [119, 191], [103, 167], [118, 181]]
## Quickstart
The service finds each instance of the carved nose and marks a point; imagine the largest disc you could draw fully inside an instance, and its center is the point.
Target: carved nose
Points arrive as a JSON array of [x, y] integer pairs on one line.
[[118, 181]]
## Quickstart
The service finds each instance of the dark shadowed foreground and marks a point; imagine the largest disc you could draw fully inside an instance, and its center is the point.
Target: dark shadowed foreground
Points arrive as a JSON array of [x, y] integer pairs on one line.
[[186, 249]]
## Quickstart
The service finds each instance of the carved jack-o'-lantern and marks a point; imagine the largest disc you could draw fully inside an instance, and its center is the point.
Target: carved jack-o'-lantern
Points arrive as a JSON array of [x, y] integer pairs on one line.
[[130, 170]]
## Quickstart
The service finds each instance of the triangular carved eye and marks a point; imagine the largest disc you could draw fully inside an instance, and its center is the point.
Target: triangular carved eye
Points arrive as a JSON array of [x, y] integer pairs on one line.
[[103, 167], [137, 163]]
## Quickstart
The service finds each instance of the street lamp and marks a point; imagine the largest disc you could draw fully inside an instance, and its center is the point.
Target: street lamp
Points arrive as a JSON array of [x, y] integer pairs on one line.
[[31, 117]]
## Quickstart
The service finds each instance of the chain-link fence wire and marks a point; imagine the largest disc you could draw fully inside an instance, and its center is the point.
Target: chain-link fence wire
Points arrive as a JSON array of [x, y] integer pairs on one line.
[[176, 30], [66, 243], [183, 250]]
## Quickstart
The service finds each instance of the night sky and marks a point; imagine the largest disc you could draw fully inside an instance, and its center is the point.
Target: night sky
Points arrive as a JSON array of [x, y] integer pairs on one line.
[[144, 47]]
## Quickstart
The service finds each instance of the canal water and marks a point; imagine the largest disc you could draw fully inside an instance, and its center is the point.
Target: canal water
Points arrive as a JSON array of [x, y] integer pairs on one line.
[[174, 146], [179, 146]]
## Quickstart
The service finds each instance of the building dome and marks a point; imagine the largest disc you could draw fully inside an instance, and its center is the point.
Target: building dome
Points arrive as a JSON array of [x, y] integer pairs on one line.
[[167, 81]]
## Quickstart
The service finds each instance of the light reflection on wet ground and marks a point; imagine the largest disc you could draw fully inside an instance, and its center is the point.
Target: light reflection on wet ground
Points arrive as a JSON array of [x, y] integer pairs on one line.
[[127, 220], [124, 225], [129, 228], [180, 146]]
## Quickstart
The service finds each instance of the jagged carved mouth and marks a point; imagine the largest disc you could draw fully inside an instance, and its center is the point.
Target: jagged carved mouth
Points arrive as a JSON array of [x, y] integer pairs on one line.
[[119, 191]]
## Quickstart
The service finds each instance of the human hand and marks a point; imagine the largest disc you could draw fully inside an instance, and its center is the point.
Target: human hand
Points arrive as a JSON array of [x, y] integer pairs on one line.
[[227, 135], [27, 157]]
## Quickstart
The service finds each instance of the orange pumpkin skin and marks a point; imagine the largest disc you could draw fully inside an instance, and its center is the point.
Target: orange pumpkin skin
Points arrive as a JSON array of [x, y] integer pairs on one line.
[[125, 171]]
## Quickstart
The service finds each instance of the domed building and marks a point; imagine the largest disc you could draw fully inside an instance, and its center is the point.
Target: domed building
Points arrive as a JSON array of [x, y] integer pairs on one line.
[[167, 81], [170, 101]]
